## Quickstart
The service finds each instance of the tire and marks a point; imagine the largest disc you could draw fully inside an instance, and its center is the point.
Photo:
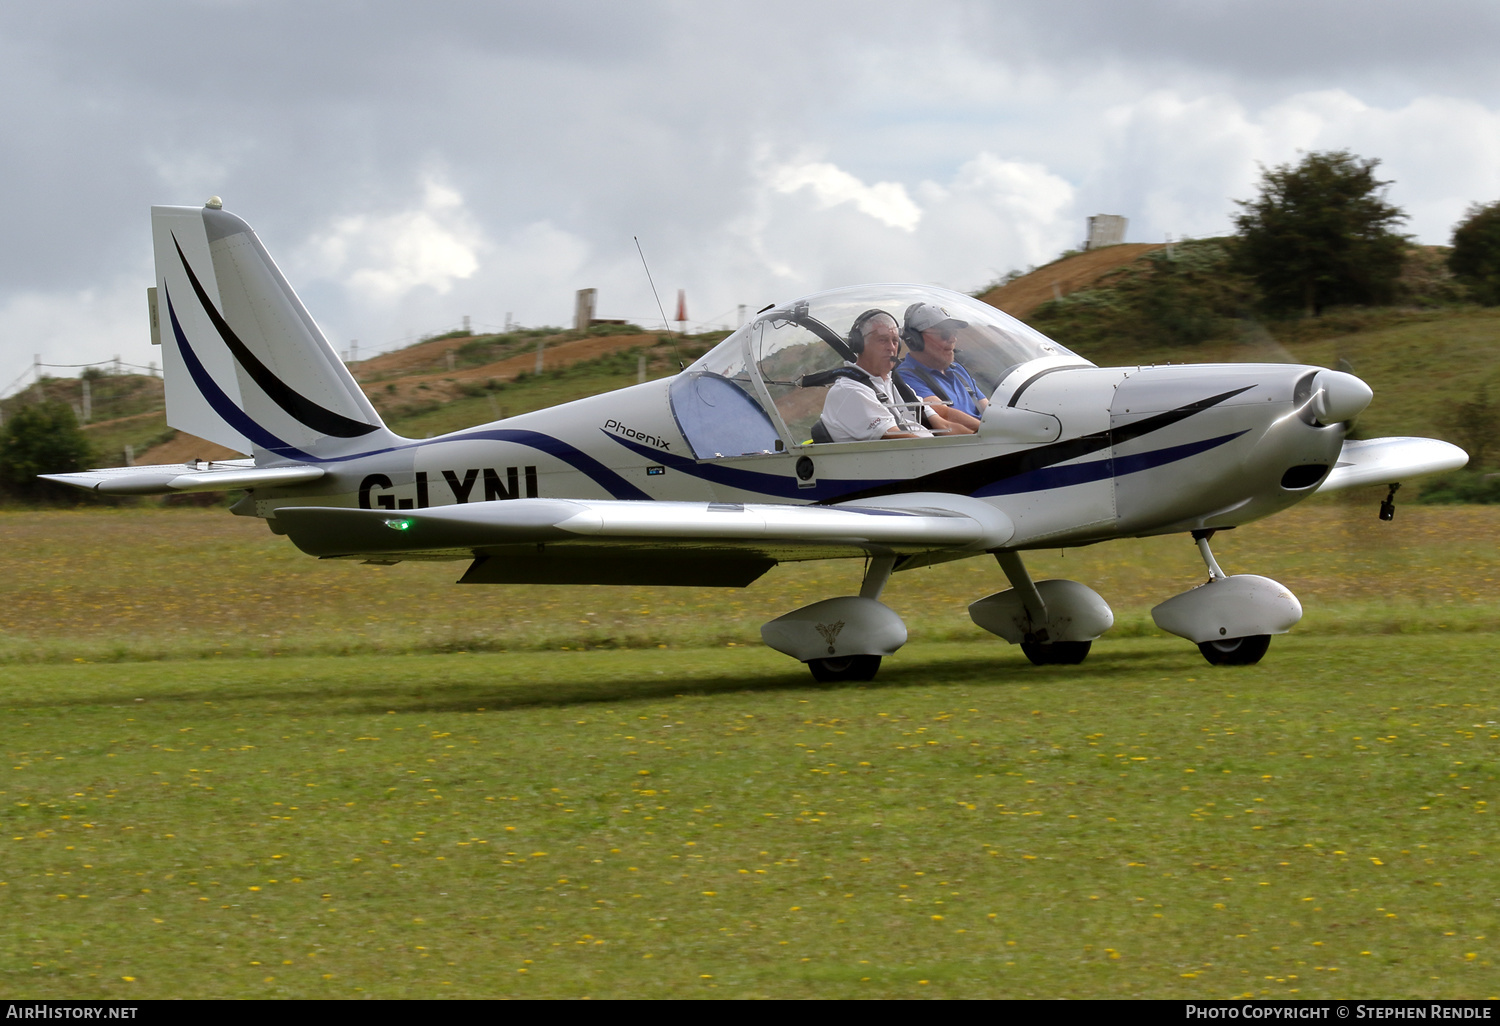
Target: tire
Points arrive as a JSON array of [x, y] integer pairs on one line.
[[832, 671], [1236, 651], [1057, 653]]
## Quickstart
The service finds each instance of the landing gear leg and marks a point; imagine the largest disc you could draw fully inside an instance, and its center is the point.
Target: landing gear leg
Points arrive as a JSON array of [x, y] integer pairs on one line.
[[876, 576], [1038, 644]]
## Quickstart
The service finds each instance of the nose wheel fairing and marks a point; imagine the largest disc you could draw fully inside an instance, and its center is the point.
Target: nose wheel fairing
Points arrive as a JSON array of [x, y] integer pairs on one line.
[[1232, 607], [1231, 617]]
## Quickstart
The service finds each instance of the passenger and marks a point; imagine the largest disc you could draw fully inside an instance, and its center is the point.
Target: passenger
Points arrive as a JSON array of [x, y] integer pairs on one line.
[[930, 366], [866, 402]]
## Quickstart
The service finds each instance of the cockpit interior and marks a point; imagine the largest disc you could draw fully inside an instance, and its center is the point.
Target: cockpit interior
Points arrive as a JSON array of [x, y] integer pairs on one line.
[[762, 389]]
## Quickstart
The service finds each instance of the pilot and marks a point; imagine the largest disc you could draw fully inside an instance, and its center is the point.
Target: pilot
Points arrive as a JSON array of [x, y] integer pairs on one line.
[[866, 401], [930, 367]]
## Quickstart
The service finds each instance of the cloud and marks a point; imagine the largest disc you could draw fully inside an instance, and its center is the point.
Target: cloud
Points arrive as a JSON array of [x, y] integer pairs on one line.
[[388, 279], [66, 326], [807, 226], [1175, 163], [759, 150], [381, 258], [886, 202], [998, 211]]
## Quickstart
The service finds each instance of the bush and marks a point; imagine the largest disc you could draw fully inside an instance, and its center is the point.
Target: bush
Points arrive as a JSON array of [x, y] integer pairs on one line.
[[1184, 299], [42, 439], [1426, 279], [1475, 259], [1473, 425], [1483, 489], [595, 330]]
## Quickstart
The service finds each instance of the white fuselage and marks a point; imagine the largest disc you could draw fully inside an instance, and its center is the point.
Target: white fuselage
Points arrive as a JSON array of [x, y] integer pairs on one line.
[[1074, 454]]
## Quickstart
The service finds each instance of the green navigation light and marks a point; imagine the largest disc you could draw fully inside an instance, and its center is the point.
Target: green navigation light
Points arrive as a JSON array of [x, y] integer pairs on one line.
[[399, 524]]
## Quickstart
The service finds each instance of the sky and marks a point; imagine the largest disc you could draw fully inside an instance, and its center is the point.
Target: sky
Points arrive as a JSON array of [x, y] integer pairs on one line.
[[409, 165]]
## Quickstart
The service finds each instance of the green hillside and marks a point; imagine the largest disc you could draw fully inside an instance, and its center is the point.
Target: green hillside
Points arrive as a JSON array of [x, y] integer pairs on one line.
[[1424, 359], [1431, 360], [1420, 363]]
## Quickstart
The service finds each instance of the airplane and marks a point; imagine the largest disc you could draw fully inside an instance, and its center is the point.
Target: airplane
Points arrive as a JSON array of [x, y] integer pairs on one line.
[[711, 477]]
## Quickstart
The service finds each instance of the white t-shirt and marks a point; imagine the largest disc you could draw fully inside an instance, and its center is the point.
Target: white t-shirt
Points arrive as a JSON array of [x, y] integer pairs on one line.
[[852, 413]]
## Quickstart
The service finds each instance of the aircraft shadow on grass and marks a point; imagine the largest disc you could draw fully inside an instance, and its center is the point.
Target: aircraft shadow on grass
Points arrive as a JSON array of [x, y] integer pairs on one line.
[[411, 694]]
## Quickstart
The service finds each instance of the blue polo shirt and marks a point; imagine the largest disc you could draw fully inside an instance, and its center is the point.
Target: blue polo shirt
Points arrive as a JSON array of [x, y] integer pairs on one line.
[[955, 386]]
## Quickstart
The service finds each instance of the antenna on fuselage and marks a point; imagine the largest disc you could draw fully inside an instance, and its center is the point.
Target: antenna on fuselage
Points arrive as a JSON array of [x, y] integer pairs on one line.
[[659, 308]]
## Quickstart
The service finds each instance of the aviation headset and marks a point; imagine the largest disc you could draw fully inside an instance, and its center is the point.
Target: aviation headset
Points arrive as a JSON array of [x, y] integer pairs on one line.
[[857, 330], [913, 338]]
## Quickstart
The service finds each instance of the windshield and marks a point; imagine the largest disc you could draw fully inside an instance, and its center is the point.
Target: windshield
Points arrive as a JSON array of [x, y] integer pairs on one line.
[[763, 384]]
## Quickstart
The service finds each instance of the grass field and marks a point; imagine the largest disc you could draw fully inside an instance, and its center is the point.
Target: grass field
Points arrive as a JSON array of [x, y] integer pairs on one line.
[[618, 792], [703, 822], [183, 583]]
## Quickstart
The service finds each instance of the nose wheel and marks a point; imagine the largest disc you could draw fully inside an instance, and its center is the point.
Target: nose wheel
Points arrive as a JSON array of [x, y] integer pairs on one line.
[[1246, 651], [1230, 618]]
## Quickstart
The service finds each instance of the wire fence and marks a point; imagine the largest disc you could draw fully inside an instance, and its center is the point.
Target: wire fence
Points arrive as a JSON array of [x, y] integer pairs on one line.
[[19, 383], [357, 351]]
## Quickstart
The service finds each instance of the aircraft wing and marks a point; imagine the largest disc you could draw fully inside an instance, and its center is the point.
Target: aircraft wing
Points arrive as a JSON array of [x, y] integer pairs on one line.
[[198, 476], [621, 541], [1378, 461]]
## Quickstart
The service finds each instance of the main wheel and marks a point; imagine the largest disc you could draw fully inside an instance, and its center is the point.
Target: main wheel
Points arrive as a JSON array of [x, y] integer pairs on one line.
[[1056, 653], [856, 667], [1236, 651]]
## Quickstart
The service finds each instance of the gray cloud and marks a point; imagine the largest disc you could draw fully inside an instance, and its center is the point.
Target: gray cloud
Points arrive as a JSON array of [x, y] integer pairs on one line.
[[477, 158]]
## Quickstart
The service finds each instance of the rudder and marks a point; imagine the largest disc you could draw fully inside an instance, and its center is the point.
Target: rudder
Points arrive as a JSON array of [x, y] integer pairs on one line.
[[244, 364]]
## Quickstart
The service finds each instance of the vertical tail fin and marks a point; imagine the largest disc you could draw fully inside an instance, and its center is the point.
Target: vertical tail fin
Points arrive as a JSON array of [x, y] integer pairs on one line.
[[243, 362]]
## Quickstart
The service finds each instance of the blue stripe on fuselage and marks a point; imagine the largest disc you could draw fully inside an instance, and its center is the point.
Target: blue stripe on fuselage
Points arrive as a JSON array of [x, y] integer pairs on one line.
[[780, 485], [1031, 481], [1098, 470]]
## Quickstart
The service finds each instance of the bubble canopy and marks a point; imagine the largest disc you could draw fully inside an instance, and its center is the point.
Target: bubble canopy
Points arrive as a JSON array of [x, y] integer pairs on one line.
[[749, 394]]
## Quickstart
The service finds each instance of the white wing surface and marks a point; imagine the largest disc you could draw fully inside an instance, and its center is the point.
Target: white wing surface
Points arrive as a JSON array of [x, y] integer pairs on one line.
[[613, 541], [917, 522], [202, 476], [1378, 461]]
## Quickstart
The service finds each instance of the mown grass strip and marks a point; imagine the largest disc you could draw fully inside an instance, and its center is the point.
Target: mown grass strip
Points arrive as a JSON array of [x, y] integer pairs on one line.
[[708, 823], [122, 585]]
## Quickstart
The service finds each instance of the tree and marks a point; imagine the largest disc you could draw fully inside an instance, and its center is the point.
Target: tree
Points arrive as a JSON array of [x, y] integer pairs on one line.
[[41, 439], [1321, 233], [1475, 259]]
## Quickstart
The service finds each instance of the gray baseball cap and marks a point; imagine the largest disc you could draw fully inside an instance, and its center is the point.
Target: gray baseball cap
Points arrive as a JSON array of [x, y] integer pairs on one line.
[[922, 317]]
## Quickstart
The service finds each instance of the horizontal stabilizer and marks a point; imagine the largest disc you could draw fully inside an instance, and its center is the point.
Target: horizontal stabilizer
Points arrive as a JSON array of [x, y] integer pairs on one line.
[[164, 479], [1379, 461], [896, 521]]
